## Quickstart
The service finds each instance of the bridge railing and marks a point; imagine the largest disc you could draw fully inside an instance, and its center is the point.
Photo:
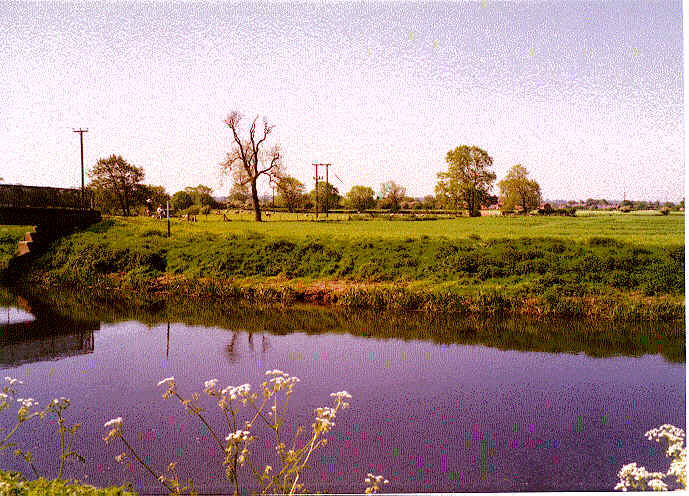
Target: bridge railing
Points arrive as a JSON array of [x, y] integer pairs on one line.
[[16, 195]]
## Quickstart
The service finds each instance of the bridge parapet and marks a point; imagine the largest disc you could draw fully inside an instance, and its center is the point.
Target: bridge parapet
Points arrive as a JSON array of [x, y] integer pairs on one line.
[[17, 195], [59, 220]]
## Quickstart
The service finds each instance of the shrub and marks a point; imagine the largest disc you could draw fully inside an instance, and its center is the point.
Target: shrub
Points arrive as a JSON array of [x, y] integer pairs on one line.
[[14, 484]]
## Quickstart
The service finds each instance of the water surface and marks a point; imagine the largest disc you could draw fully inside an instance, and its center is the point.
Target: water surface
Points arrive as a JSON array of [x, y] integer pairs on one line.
[[431, 414]]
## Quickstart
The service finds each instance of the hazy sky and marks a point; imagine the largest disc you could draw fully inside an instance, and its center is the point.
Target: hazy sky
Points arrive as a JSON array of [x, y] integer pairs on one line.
[[588, 96]]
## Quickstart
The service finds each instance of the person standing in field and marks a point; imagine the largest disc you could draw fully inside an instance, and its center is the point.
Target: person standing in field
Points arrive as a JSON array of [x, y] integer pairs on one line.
[[149, 207]]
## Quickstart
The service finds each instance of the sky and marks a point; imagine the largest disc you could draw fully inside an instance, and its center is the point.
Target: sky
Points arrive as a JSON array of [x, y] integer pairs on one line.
[[588, 96]]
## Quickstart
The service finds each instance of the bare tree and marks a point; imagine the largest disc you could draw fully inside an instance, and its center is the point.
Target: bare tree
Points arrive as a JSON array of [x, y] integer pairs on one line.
[[249, 153]]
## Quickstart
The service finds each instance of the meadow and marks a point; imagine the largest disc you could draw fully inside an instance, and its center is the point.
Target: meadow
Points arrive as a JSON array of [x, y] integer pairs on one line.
[[614, 266], [645, 227]]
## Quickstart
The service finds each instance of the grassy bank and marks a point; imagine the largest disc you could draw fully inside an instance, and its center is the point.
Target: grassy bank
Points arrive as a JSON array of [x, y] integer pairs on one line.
[[624, 267]]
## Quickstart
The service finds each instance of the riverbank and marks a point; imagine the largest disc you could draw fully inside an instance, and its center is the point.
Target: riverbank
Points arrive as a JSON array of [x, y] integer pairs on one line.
[[595, 277]]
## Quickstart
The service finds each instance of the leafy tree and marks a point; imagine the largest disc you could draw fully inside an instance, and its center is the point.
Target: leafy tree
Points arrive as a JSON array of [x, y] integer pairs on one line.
[[518, 191], [360, 198], [240, 193], [201, 195], [468, 179], [249, 153], [290, 192], [391, 195], [328, 196], [115, 180], [429, 202], [157, 195], [181, 200]]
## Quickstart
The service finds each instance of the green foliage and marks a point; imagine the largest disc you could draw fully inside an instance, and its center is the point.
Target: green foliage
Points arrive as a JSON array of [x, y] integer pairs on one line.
[[328, 196], [517, 191], [360, 198], [545, 268], [115, 182], [291, 193], [14, 484], [9, 237], [181, 201], [201, 196], [468, 180], [391, 195]]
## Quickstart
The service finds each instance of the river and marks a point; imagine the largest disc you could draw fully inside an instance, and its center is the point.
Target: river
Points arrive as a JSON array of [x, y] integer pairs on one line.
[[439, 405]]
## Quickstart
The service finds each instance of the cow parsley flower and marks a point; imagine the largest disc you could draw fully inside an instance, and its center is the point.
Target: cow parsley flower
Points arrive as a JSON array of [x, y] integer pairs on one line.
[[115, 423], [170, 380]]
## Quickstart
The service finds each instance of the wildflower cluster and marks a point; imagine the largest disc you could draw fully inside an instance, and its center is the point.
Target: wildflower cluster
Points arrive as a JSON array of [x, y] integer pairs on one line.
[[28, 409], [242, 411], [635, 478], [374, 483]]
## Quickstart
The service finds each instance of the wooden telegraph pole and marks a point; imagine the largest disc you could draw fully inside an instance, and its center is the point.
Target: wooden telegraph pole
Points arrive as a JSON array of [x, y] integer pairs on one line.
[[317, 177], [81, 138]]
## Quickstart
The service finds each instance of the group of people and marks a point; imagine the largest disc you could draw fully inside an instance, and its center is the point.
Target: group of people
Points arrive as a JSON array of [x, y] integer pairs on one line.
[[159, 213]]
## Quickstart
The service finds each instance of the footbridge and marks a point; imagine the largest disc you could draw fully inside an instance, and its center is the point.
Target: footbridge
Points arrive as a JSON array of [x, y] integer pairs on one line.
[[54, 212]]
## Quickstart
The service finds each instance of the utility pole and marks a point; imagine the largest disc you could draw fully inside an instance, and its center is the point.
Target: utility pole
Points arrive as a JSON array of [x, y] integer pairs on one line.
[[317, 177], [327, 183], [81, 138]]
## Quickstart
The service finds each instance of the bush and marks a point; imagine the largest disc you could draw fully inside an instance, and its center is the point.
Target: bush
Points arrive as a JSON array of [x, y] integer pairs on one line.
[[14, 484]]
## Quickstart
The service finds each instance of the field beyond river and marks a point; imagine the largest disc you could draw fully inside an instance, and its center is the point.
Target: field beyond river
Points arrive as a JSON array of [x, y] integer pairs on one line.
[[617, 266]]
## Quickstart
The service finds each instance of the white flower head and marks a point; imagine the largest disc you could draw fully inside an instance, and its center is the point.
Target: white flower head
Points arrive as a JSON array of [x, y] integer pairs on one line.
[[209, 386], [343, 395], [12, 381], [238, 436], [234, 392], [27, 403], [115, 423], [167, 380], [374, 483]]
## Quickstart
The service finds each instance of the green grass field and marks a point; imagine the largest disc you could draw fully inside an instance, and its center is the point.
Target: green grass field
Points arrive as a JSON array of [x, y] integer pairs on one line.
[[567, 265], [642, 228]]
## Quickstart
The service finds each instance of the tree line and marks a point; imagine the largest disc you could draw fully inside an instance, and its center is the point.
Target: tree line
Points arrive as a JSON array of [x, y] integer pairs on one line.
[[466, 185]]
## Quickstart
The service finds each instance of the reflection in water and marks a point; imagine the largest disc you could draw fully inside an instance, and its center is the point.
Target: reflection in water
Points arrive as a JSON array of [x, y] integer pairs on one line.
[[598, 339], [232, 347], [46, 336], [439, 405]]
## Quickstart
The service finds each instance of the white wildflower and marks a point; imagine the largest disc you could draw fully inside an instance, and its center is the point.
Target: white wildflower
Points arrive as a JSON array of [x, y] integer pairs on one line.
[[374, 483], [209, 386], [27, 403], [657, 485], [343, 395], [115, 423], [234, 392], [170, 380], [238, 436], [13, 381]]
